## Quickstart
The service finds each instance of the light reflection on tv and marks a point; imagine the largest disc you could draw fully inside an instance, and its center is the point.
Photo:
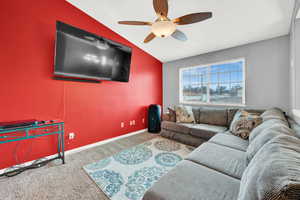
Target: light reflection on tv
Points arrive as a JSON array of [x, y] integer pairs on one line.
[[83, 55]]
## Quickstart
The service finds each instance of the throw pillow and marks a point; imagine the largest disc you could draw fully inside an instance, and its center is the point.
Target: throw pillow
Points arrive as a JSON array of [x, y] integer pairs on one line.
[[184, 114], [243, 123], [172, 114]]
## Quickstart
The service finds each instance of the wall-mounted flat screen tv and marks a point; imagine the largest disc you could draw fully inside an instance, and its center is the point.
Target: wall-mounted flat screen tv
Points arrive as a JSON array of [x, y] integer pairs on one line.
[[83, 55]]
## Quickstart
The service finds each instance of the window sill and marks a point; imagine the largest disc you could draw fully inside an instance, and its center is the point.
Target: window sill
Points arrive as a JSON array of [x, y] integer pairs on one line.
[[212, 104]]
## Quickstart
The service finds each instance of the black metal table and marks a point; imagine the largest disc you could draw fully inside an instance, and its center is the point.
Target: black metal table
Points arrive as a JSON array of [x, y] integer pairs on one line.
[[35, 131]]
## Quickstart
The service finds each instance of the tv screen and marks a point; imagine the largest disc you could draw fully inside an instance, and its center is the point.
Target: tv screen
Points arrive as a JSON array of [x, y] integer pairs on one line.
[[83, 55]]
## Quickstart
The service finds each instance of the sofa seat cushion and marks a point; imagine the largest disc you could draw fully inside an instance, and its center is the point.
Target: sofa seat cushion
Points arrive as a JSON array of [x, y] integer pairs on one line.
[[182, 138], [274, 171], [177, 127], [231, 141], [206, 131], [190, 181], [223, 159]]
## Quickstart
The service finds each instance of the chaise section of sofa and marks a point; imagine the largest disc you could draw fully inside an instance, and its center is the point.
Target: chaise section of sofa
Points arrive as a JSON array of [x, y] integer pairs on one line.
[[191, 181], [211, 172]]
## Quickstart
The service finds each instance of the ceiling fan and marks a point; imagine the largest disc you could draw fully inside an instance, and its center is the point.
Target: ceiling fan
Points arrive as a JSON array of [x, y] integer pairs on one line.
[[163, 26]]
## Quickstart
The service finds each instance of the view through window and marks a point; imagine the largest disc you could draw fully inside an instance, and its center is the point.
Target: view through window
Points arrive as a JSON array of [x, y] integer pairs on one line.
[[222, 83]]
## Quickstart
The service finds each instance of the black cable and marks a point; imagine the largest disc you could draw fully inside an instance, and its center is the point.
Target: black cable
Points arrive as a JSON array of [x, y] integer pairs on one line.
[[15, 170], [34, 165]]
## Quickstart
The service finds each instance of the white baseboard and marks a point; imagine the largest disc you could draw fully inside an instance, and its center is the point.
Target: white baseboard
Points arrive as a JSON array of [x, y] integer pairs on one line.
[[103, 142], [76, 150]]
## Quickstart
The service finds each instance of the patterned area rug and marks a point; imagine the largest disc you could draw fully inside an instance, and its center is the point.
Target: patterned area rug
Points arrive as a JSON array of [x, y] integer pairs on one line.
[[128, 174]]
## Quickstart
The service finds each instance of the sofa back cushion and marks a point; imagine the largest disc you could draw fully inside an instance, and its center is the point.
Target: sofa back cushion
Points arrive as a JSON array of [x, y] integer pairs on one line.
[[265, 136], [213, 116], [274, 172], [197, 111], [274, 113], [265, 125]]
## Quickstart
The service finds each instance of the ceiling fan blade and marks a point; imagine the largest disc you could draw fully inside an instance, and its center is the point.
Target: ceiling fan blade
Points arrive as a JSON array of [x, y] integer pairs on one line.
[[179, 35], [192, 18], [161, 7], [150, 37], [138, 23]]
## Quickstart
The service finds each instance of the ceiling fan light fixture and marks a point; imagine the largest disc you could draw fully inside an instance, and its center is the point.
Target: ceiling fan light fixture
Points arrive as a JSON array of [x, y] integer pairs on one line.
[[163, 28]]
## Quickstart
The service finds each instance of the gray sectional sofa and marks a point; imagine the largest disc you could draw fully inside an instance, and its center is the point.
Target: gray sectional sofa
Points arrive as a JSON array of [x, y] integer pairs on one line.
[[227, 167]]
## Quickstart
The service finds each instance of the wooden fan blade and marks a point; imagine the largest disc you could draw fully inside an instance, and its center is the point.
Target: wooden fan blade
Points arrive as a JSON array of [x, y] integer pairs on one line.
[[192, 18], [179, 35], [150, 37], [137, 23], [161, 7]]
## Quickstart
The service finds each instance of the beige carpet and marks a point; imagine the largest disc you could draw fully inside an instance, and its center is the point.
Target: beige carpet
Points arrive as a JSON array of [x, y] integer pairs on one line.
[[67, 181]]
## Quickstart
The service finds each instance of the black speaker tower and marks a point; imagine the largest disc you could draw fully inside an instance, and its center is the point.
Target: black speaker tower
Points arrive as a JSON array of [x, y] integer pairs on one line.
[[154, 118]]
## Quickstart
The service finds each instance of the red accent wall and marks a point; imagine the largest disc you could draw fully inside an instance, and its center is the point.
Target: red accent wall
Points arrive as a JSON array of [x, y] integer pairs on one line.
[[92, 111]]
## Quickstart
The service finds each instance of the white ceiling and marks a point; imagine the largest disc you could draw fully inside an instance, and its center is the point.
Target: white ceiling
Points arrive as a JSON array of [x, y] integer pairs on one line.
[[234, 22]]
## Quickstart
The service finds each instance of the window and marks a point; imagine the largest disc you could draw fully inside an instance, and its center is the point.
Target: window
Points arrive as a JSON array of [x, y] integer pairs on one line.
[[220, 84]]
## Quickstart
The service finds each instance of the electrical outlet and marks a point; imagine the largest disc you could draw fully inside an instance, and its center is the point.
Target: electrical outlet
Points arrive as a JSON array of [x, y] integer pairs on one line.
[[143, 120], [133, 122], [71, 136], [122, 125], [130, 123]]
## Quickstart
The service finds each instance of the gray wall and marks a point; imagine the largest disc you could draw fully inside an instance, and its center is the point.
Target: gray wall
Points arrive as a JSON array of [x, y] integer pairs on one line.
[[295, 65], [267, 72]]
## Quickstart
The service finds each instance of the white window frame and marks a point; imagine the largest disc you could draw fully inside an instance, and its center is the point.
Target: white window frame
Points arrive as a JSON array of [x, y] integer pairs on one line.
[[208, 85]]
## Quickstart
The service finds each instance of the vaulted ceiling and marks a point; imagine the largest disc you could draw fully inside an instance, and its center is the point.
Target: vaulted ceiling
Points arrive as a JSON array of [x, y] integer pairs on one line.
[[234, 23]]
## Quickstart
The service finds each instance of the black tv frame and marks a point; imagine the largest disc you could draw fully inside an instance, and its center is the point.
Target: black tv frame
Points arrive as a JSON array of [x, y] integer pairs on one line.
[[61, 26]]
